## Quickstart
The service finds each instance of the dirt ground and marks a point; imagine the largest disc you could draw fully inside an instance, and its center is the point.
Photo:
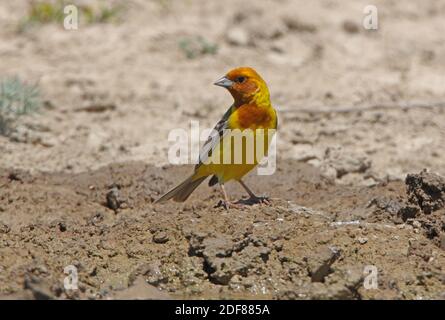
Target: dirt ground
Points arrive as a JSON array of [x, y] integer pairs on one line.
[[361, 115]]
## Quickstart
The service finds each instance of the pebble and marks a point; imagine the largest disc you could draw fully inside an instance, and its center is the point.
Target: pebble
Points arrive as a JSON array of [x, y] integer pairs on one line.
[[4, 228], [238, 37], [417, 224], [160, 237], [350, 26]]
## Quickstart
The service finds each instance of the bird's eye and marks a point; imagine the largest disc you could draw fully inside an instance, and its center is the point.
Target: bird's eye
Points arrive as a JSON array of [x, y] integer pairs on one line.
[[240, 79]]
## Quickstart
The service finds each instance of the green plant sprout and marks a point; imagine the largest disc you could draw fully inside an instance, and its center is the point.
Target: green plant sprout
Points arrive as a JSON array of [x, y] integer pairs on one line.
[[46, 12], [16, 99], [198, 46]]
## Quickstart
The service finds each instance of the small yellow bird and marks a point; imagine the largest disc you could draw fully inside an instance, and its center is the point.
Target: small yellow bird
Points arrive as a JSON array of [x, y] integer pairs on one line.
[[251, 110]]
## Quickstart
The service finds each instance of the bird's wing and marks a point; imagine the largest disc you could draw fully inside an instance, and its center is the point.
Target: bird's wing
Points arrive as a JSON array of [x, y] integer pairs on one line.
[[213, 140]]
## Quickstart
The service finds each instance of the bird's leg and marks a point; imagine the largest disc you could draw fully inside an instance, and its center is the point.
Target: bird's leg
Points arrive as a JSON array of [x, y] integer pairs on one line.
[[226, 203], [253, 197]]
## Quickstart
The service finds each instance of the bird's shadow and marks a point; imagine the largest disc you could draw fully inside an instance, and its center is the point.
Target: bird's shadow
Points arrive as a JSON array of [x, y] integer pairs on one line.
[[245, 202], [253, 201]]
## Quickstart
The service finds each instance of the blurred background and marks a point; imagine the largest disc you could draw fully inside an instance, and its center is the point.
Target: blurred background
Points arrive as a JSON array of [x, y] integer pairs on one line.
[[362, 105]]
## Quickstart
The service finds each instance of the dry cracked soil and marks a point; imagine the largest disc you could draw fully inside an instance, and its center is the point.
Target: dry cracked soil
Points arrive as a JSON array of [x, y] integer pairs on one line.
[[318, 240]]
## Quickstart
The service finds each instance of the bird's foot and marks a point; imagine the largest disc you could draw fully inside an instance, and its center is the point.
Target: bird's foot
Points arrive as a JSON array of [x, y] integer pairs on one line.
[[261, 200], [227, 205]]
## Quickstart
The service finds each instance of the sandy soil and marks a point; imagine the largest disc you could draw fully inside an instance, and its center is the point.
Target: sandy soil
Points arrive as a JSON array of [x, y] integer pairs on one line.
[[113, 91], [313, 242]]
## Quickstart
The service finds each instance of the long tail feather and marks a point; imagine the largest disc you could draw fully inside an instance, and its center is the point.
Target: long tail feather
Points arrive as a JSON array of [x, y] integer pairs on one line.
[[181, 192]]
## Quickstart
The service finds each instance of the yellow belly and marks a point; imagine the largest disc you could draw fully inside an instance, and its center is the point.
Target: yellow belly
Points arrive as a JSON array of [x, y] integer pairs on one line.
[[226, 172], [235, 155]]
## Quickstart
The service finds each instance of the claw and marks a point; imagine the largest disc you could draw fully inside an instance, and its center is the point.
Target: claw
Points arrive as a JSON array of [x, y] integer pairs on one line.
[[227, 205], [260, 200]]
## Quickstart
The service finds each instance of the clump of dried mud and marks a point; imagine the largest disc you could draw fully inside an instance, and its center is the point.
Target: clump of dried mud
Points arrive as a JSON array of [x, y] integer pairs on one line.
[[313, 242]]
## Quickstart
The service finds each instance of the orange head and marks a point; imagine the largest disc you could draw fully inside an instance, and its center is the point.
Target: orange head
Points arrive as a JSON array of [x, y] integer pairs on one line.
[[246, 86]]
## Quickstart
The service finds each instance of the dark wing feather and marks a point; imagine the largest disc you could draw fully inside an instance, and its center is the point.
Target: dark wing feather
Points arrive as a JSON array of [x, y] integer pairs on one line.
[[212, 141]]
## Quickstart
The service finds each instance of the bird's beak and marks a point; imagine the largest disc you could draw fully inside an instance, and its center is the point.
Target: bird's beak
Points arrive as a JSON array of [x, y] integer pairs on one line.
[[224, 82]]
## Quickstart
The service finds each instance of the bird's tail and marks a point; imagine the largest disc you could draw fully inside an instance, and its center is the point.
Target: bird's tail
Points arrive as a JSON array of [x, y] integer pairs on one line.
[[181, 192]]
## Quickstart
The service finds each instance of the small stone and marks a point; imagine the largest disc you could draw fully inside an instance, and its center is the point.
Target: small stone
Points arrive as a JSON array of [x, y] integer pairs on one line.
[[362, 240], [4, 228], [350, 26], [237, 37], [160, 237], [113, 201], [417, 224], [295, 23], [62, 226]]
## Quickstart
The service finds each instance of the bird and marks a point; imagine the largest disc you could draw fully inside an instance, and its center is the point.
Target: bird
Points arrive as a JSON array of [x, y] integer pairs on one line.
[[251, 110]]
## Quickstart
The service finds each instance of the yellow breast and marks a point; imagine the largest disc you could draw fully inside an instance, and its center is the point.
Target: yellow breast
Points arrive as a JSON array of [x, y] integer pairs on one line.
[[236, 153]]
